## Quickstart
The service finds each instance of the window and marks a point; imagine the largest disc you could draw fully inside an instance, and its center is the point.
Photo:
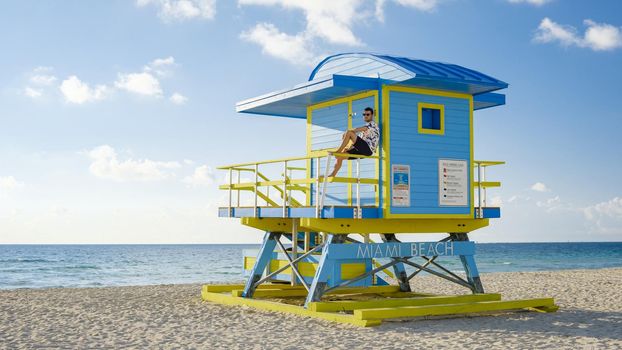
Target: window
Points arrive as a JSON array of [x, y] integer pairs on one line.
[[431, 118]]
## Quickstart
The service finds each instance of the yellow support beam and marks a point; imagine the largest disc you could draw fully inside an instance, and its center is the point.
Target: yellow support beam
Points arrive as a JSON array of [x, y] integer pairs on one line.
[[269, 224], [266, 198], [487, 184], [219, 288], [285, 308], [348, 305], [451, 309], [343, 226], [282, 293], [488, 162]]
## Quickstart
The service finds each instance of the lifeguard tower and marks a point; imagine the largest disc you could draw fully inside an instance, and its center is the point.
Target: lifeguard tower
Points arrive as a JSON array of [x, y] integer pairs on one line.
[[346, 246]]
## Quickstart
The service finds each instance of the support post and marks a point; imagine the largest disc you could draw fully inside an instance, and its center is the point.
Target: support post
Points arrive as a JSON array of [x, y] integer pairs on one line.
[[323, 272], [398, 269], [470, 268], [285, 197], [294, 250], [263, 259]]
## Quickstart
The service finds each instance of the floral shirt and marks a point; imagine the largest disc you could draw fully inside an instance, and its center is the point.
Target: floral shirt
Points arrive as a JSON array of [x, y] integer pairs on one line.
[[371, 135]]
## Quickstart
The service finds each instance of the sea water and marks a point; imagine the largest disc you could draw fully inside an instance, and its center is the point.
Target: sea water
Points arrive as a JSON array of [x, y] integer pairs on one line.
[[45, 266]]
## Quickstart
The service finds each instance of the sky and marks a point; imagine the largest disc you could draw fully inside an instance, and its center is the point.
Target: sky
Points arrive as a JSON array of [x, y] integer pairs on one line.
[[115, 114]]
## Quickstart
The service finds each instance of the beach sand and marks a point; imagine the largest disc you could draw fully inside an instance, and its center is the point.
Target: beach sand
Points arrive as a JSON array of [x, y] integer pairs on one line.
[[173, 316]]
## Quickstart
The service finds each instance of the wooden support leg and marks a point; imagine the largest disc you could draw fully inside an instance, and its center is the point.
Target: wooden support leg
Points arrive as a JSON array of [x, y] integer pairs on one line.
[[398, 269], [323, 272], [470, 268], [263, 259]]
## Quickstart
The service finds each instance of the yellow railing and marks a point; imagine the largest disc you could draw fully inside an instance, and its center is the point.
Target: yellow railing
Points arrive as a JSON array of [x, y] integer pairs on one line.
[[287, 182], [481, 184]]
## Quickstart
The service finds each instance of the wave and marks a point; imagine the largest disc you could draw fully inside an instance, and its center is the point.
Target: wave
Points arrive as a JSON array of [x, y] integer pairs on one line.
[[18, 260]]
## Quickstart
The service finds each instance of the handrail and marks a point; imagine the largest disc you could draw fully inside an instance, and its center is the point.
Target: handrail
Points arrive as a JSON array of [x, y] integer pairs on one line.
[[287, 183], [484, 163], [482, 184], [321, 154]]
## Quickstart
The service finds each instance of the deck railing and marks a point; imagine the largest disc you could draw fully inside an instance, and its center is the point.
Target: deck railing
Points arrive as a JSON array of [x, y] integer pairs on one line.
[[288, 182], [481, 184]]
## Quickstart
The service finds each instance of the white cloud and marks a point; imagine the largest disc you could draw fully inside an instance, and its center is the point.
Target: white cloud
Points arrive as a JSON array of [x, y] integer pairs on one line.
[[496, 201], [423, 5], [32, 93], [291, 48], [178, 99], [202, 176], [105, 164], [550, 203], [531, 2], [42, 76], [179, 10], [326, 20], [159, 62], [597, 36], [161, 66], [143, 83], [78, 92], [9, 183], [38, 80], [606, 217], [540, 187]]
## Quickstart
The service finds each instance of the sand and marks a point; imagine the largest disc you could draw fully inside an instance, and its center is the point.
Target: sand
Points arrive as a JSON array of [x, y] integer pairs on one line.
[[173, 316]]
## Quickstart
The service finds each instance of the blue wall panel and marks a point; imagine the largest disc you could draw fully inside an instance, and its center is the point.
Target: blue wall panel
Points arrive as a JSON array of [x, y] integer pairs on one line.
[[422, 151]]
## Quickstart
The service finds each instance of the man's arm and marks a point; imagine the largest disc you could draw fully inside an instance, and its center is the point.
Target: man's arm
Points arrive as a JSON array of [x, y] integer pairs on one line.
[[361, 129]]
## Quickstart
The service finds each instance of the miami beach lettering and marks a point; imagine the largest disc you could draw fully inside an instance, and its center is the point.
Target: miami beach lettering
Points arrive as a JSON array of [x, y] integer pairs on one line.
[[388, 250]]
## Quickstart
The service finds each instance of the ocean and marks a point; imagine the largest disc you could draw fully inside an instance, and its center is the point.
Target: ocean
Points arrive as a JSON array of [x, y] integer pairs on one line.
[[59, 266]]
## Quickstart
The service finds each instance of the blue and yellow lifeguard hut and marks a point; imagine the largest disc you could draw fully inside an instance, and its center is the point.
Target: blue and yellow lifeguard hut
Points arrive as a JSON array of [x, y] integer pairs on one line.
[[319, 231]]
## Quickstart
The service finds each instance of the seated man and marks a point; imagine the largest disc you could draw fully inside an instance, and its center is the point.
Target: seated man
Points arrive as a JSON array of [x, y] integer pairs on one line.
[[364, 139]]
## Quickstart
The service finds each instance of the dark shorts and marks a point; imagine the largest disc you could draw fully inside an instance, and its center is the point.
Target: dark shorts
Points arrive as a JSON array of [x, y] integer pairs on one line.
[[360, 147]]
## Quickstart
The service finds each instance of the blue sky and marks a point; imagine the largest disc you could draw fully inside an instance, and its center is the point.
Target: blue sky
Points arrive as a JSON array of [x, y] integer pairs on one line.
[[114, 114]]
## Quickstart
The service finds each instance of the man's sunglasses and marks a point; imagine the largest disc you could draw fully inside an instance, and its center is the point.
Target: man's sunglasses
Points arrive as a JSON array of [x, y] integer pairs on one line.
[[366, 114]]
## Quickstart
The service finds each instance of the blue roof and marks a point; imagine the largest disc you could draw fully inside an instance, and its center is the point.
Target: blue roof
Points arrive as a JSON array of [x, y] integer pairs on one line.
[[347, 74], [444, 76]]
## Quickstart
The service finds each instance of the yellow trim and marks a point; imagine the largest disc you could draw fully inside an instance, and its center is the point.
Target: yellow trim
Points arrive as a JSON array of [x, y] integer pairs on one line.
[[309, 162], [268, 224], [349, 186], [370, 312], [377, 170], [386, 115], [223, 288], [420, 128], [487, 184], [407, 225], [450, 309], [386, 147], [427, 91], [471, 155], [484, 163], [286, 308], [349, 305], [353, 270]]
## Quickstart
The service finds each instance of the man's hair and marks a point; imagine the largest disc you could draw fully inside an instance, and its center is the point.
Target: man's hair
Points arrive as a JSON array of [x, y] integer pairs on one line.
[[369, 109]]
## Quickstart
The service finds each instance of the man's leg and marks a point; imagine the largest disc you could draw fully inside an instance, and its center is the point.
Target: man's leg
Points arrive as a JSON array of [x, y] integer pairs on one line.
[[347, 137], [338, 162]]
